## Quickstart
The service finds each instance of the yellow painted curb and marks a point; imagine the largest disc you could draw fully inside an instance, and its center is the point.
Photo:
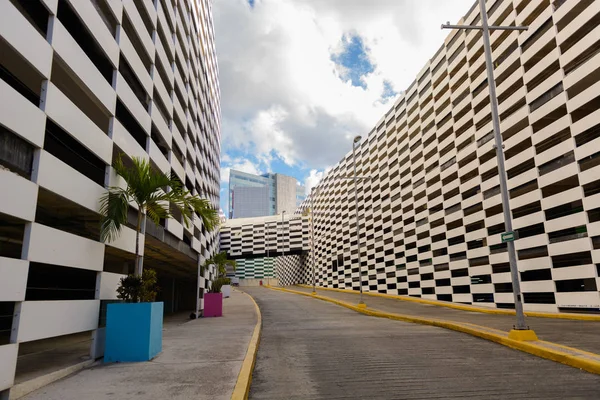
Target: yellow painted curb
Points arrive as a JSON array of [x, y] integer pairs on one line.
[[242, 386], [523, 335], [465, 307], [565, 355]]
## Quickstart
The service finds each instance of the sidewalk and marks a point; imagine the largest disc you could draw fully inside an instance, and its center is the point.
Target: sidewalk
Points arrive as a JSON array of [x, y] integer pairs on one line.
[[582, 335], [201, 359]]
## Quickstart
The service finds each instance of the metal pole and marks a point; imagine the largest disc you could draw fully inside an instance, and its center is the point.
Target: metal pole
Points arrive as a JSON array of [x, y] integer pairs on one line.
[[514, 272], [312, 234], [357, 229], [282, 235], [198, 288]]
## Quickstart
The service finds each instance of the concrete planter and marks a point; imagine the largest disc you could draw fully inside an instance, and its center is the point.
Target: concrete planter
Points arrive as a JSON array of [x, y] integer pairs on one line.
[[213, 304], [133, 331], [226, 290]]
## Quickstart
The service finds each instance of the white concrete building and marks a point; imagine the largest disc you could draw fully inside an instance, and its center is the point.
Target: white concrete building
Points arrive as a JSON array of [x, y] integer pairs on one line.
[[81, 82], [431, 216]]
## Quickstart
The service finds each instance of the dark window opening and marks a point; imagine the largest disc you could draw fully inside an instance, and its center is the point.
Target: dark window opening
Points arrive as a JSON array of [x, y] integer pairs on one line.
[[15, 153], [572, 259], [6, 320], [564, 210], [18, 74], [84, 39], [461, 289], [501, 268], [552, 141], [591, 188], [577, 285], [130, 123], [80, 95], [475, 262], [556, 163], [476, 244], [527, 209], [498, 248], [461, 255], [53, 282], [440, 252], [64, 147], [560, 186], [564, 235], [531, 230], [588, 135], [134, 83], [481, 279], [536, 275], [505, 287], [35, 12], [475, 226], [539, 298]]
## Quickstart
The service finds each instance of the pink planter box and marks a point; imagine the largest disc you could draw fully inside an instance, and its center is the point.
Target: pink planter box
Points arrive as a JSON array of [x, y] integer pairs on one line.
[[213, 304]]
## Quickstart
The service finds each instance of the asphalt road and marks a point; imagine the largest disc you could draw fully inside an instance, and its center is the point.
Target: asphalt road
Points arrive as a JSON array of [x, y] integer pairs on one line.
[[311, 349]]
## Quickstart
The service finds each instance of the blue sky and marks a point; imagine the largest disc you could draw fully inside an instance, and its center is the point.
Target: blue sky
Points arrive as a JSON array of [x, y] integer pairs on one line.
[[300, 78]]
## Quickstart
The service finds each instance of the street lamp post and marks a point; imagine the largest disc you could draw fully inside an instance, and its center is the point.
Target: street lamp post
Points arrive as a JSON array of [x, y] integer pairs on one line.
[[485, 28], [356, 141], [312, 236], [282, 235]]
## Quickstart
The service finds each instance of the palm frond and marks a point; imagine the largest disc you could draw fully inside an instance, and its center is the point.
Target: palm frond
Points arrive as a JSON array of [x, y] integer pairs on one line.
[[113, 208], [157, 210], [208, 215]]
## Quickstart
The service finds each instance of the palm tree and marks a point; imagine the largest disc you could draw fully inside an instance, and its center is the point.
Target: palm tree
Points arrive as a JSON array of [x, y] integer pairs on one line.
[[148, 189], [221, 262]]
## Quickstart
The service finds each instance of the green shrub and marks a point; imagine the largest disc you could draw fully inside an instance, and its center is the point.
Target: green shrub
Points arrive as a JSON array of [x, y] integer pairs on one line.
[[135, 289]]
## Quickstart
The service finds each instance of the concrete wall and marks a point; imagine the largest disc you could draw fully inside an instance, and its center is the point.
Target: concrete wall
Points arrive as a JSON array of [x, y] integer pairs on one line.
[[256, 282], [286, 193]]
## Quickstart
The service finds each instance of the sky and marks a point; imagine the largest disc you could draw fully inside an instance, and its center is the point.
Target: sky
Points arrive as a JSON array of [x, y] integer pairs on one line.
[[300, 78]]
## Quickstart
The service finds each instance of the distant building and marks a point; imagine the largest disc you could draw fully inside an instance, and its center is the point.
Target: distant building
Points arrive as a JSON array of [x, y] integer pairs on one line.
[[262, 195]]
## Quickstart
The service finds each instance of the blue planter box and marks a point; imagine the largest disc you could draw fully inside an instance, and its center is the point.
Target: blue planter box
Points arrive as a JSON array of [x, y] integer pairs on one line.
[[133, 331]]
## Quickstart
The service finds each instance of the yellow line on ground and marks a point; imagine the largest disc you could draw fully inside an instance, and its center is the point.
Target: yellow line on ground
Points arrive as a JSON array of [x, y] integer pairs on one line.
[[465, 307], [570, 356], [242, 386]]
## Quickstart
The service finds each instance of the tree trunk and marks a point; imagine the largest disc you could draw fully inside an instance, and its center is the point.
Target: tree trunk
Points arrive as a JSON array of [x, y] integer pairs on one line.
[[138, 261]]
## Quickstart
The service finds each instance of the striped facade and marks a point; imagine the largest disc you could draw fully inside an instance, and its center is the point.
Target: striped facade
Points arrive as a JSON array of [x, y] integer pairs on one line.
[[266, 247], [431, 215], [83, 81]]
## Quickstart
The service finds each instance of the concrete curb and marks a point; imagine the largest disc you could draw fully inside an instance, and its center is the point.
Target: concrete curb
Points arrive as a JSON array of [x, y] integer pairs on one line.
[[242, 386], [565, 355], [464, 307], [24, 388]]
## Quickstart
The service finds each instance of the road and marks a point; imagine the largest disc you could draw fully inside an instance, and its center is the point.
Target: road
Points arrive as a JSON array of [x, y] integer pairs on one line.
[[311, 349]]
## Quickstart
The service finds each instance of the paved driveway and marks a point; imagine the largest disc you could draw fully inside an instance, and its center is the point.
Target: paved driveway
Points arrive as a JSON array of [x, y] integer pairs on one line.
[[311, 349]]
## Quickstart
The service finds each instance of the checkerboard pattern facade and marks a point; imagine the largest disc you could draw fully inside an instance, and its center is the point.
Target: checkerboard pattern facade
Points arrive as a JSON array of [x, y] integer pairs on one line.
[[251, 268], [431, 215], [265, 235], [293, 270]]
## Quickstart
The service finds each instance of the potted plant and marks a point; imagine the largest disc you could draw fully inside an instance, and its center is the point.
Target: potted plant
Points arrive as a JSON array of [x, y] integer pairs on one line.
[[226, 288], [213, 300], [221, 262], [154, 193], [134, 327]]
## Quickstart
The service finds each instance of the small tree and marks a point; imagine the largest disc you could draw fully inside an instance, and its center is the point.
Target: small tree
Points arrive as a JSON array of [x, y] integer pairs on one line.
[[221, 262], [148, 189], [135, 289]]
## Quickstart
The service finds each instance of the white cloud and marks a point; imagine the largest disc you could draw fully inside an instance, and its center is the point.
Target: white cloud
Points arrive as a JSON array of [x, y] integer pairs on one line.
[[313, 178], [281, 92], [239, 164]]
